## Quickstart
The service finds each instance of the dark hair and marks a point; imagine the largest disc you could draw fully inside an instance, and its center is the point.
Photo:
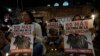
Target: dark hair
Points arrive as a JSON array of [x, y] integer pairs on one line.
[[53, 19], [30, 15], [5, 28], [76, 16], [53, 32], [3, 11]]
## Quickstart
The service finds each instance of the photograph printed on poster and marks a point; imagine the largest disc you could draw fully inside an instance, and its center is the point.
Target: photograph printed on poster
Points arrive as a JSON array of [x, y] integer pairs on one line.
[[54, 39], [78, 37], [22, 40]]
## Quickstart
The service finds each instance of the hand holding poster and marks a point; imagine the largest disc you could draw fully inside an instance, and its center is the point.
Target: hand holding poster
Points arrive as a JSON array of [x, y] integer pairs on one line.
[[22, 42], [78, 38]]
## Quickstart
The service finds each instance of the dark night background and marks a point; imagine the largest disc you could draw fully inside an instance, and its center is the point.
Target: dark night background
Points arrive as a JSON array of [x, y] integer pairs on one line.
[[35, 3], [38, 3]]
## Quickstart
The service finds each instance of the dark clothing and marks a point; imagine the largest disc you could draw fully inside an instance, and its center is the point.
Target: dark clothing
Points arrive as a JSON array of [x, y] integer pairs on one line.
[[9, 22], [37, 49]]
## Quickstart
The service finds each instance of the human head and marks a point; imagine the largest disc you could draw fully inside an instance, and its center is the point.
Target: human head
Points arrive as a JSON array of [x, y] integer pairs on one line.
[[27, 17], [7, 16], [53, 20], [53, 31], [3, 11], [76, 17]]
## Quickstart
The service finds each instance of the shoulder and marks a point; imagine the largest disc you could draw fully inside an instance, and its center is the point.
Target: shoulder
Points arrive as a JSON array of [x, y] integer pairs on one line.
[[36, 25], [21, 24]]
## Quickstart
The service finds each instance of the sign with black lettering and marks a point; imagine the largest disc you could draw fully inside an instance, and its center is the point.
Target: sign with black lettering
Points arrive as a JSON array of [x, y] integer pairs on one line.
[[22, 40], [78, 39]]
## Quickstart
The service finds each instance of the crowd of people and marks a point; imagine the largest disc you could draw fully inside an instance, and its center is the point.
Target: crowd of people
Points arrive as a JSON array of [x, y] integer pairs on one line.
[[42, 42]]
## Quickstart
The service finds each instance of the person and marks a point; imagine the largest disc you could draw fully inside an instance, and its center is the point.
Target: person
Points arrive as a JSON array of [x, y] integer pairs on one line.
[[7, 19], [96, 40], [4, 43], [3, 11], [72, 37], [44, 33], [16, 18], [97, 28], [28, 18], [76, 40], [76, 17], [54, 40]]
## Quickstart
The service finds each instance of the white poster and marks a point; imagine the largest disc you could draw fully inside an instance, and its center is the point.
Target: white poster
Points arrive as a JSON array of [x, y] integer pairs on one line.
[[22, 41], [78, 39]]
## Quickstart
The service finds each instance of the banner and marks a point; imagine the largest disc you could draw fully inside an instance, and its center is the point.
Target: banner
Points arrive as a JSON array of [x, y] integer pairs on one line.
[[22, 41], [78, 39]]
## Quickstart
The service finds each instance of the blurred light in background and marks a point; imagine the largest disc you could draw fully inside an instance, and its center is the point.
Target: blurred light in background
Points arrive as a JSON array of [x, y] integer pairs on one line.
[[33, 11], [65, 3], [51, 49], [48, 5], [93, 16], [9, 9], [7, 54], [56, 4], [55, 49]]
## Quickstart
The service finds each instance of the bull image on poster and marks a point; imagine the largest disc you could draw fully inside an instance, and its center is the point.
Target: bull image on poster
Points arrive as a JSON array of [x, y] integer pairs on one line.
[[77, 41], [22, 40]]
